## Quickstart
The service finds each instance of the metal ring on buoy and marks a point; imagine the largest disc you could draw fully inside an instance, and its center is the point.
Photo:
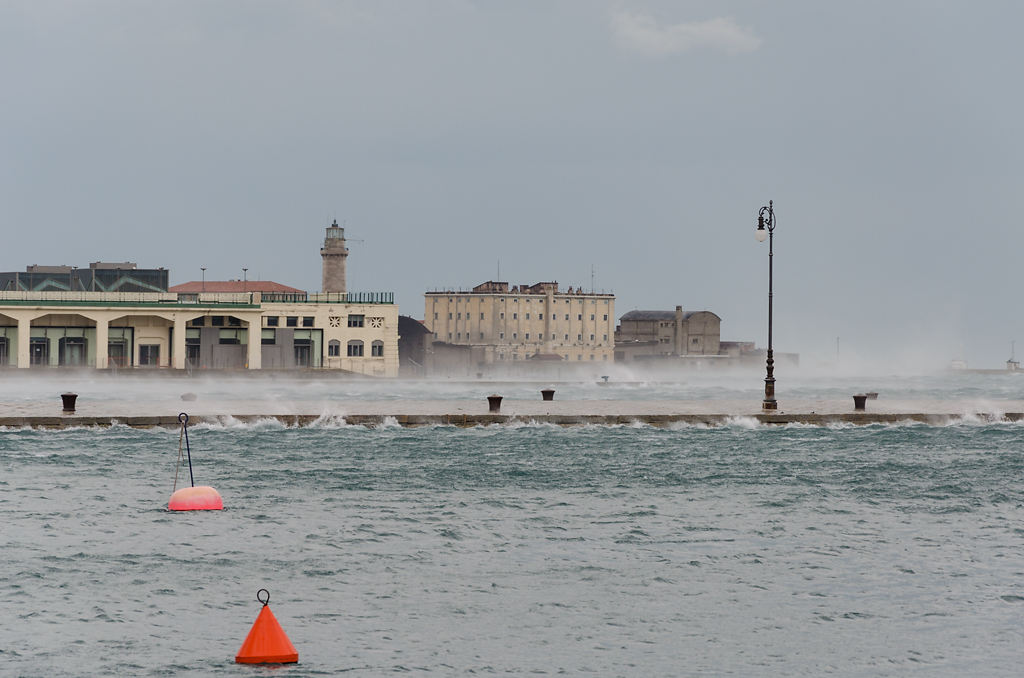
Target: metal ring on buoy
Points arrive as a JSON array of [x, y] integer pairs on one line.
[[265, 602], [183, 421]]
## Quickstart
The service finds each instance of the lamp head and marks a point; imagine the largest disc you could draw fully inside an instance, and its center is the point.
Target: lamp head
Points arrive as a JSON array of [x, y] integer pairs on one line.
[[761, 232]]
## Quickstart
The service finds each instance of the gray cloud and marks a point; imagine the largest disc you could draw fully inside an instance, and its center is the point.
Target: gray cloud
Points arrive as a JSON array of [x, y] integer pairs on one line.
[[644, 34]]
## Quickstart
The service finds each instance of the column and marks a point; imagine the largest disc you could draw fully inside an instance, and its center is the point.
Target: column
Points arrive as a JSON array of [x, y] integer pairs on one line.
[[549, 307], [102, 350], [255, 354], [24, 335], [178, 351]]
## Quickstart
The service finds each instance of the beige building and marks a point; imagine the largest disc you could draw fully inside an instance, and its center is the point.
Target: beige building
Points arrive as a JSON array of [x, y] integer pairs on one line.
[[499, 324], [643, 335], [206, 331], [201, 325]]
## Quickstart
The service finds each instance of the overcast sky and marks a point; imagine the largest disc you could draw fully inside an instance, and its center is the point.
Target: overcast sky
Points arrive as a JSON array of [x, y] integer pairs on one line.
[[628, 140]]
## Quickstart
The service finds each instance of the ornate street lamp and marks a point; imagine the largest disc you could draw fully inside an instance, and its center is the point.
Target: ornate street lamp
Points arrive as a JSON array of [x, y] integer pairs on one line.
[[203, 269], [765, 229]]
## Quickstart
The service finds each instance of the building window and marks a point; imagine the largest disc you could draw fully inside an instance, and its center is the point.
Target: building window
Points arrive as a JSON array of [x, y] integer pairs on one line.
[[579, 337], [515, 316], [292, 321], [217, 321], [579, 317], [481, 335], [566, 316], [230, 337], [591, 337], [377, 349], [605, 338], [514, 335], [149, 354], [527, 336], [591, 316], [435, 316], [567, 337], [307, 321], [302, 349], [606, 316], [355, 349], [271, 321], [502, 315], [268, 337], [501, 335], [197, 322], [449, 316], [334, 348], [695, 340], [355, 321], [481, 316], [459, 317], [234, 322]]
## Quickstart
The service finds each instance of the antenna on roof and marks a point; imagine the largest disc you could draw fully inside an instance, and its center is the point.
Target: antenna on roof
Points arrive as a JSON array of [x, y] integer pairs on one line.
[[591, 278]]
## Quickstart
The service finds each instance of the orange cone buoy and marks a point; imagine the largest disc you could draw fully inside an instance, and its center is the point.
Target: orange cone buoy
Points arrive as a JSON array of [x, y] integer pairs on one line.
[[267, 642], [201, 498]]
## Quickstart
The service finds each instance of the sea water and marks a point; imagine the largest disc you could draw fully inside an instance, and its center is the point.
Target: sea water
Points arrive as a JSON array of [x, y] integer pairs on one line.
[[518, 550]]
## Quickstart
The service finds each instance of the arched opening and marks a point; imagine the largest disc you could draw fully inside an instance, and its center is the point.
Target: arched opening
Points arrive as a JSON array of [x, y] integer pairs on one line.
[[355, 348], [8, 341], [377, 349], [61, 340]]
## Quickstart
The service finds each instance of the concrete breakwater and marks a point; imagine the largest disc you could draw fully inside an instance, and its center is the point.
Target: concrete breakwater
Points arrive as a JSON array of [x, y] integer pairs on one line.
[[482, 419]]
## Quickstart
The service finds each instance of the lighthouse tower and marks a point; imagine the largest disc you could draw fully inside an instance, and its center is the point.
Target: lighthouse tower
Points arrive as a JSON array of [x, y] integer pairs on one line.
[[334, 253]]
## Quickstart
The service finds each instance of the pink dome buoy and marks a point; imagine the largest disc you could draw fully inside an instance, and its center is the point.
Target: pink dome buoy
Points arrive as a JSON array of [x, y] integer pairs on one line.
[[201, 498]]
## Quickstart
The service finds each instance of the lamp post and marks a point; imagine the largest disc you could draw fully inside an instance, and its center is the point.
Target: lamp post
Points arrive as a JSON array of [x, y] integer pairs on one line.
[[245, 275], [203, 269], [765, 229]]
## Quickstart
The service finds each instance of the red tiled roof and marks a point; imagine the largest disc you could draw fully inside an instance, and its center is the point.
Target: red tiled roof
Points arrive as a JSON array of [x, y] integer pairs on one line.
[[195, 286]]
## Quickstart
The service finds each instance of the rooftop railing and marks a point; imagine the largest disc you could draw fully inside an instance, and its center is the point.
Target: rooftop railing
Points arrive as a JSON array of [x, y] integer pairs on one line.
[[193, 298]]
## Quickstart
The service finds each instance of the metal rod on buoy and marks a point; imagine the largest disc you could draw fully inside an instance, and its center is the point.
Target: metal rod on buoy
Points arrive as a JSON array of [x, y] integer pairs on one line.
[[188, 450], [192, 498]]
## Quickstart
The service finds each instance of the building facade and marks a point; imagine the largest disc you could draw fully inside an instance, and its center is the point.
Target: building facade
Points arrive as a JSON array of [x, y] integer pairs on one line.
[[198, 325], [645, 335], [499, 324], [104, 330]]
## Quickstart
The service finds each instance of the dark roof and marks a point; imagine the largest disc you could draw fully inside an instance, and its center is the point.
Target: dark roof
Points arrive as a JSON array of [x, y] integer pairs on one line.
[[658, 315], [408, 326], [649, 315]]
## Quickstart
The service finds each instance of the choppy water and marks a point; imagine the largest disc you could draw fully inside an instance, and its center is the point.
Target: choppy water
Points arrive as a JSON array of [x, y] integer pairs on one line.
[[519, 550]]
